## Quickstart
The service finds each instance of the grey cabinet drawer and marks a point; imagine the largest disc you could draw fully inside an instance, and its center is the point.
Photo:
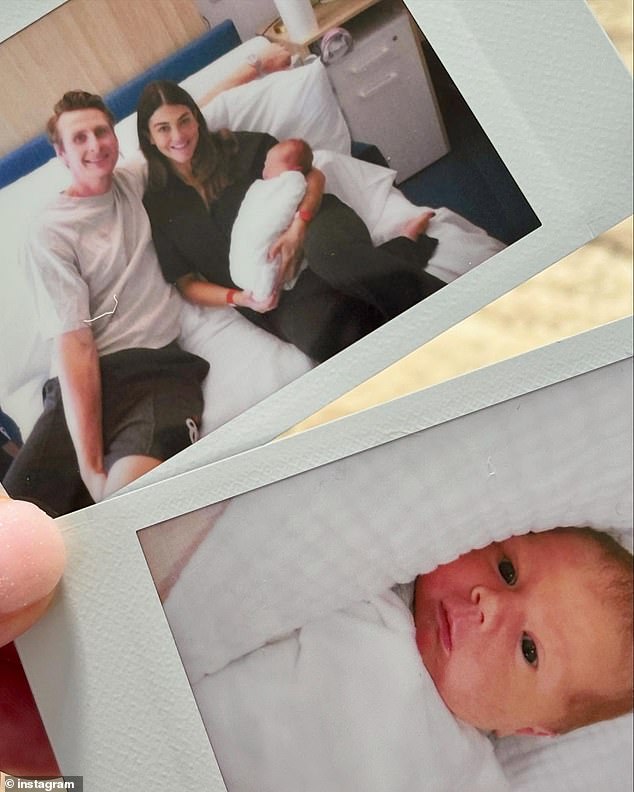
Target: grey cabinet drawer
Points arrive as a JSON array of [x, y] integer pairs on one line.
[[385, 92]]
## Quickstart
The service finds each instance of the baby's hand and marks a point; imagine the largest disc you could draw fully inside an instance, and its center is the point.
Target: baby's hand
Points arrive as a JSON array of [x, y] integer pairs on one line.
[[32, 559]]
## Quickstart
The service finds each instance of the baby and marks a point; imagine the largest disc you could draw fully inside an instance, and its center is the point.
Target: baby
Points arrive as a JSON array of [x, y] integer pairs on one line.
[[532, 635], [268, 209]]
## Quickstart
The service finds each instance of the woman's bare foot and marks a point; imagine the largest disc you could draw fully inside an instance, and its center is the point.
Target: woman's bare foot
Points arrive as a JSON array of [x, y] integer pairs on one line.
[[417, 226]]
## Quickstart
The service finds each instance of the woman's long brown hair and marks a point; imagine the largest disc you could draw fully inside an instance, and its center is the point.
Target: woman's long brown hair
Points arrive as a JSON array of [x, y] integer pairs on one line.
[[215, 152]]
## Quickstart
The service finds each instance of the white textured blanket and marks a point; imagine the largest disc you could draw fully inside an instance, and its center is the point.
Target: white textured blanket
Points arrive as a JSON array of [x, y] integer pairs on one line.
[[266, 211], [342, 704]]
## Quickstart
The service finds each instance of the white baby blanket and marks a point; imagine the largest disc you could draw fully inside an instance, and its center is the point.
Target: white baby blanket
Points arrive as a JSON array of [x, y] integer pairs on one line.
[[266, 211], [342, 704]]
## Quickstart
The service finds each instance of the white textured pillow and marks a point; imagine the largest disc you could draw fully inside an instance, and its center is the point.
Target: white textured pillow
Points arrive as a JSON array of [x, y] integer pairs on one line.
[[294, 103], [24, 354], [361, 185]]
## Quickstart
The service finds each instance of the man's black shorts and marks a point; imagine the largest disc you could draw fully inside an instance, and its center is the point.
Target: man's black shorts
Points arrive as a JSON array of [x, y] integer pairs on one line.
[[151, 406]]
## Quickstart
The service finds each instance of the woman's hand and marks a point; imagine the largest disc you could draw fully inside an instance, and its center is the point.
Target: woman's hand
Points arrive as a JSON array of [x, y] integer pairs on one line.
[[274, 58], [289, 247], [245, 299], [32, 559]]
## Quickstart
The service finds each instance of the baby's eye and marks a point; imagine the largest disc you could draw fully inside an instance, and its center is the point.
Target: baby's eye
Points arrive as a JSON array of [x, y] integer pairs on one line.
[[507, 571], [529, 650]]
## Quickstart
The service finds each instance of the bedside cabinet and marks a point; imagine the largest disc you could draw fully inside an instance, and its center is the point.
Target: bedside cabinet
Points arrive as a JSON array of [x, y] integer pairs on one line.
[[385, 92]]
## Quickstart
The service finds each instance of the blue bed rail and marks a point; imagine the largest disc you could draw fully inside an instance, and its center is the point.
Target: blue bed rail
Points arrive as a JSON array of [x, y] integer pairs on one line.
[[123, 100]]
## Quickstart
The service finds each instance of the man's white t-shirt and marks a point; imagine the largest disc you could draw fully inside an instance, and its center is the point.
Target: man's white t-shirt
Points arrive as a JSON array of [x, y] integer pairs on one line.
[[94, 265]]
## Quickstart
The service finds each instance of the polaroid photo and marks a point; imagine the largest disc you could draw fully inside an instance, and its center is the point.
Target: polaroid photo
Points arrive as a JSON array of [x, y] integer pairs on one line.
[[184, 600], [475, 108]]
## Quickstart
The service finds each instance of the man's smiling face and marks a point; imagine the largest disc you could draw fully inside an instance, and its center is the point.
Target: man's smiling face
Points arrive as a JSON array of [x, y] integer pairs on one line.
[[89, 149]]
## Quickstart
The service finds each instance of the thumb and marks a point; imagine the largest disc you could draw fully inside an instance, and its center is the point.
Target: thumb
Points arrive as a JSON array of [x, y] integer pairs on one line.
[[32, 558], [274, 250]]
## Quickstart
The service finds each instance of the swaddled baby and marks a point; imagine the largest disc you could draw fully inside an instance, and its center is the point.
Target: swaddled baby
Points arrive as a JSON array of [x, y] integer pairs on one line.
[[266, 211], [528, 636]]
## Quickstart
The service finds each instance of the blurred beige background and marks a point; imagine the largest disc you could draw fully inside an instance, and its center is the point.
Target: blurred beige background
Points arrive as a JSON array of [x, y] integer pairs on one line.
[[590, 287]]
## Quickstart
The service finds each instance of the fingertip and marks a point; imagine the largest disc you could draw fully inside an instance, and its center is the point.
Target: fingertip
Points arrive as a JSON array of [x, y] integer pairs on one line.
[[32, 555]]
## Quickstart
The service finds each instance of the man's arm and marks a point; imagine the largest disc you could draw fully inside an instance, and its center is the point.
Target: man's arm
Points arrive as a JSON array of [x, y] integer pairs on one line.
[[80, 381], [273, 58]]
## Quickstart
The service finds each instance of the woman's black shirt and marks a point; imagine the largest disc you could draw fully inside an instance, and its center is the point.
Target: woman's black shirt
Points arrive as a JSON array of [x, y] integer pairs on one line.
[[193, 239]]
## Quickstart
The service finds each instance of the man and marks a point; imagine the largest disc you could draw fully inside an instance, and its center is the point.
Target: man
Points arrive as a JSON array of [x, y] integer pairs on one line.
[[122, 396]]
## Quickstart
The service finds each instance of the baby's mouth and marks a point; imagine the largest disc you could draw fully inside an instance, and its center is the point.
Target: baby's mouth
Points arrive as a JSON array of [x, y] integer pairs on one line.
[[444, 628]]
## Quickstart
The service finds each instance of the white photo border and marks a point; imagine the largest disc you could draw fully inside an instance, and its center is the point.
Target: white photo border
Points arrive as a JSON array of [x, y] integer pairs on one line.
[[103, 664]]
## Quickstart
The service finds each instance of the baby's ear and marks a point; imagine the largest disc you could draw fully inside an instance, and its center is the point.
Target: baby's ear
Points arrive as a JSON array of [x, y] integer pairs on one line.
[[536, 731]]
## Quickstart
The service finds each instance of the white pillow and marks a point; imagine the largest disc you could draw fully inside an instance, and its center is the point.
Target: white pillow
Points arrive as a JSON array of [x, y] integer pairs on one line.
[[294, 103], [361, 185], [595, 757], [23, 352]]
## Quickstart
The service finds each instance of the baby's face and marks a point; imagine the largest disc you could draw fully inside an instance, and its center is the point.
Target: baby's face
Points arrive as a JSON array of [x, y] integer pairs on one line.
[[508, 632]]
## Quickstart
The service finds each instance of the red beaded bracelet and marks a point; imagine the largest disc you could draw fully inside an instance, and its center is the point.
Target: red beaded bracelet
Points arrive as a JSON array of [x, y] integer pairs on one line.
[[230, 295]]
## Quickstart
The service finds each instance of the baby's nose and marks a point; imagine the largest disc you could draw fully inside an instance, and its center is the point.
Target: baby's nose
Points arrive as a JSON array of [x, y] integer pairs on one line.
[[486, 603]]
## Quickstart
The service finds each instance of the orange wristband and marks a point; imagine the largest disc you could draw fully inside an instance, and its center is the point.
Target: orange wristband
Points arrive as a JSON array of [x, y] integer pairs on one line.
[[230, 296]]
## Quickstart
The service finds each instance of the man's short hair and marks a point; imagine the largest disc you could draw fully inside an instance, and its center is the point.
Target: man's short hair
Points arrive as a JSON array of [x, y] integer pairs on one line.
[[75, 100]]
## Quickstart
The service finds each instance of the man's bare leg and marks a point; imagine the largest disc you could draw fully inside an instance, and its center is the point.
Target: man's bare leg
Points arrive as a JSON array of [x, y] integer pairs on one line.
[[128, 469]]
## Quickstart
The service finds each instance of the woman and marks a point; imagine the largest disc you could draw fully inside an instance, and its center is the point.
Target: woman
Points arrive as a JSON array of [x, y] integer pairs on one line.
[[196, 182]]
